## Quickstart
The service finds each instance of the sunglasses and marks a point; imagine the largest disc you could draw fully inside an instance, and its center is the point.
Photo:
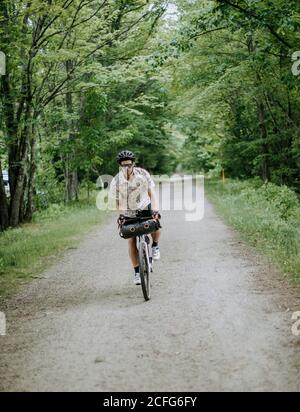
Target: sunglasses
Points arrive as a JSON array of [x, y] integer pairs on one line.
[[127, 166]]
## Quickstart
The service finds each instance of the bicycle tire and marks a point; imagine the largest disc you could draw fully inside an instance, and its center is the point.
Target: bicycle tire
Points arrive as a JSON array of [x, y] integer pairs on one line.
[[144, 271]]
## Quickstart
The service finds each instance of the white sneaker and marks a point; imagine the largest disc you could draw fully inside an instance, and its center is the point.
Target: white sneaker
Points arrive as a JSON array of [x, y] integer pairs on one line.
[[137, 279], [155, 253]]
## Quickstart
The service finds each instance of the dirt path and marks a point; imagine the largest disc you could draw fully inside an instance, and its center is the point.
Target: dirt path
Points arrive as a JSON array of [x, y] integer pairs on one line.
[[219, 318]]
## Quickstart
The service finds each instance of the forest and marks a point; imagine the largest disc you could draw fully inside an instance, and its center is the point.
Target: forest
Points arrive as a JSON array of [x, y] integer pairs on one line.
[[204, 86]]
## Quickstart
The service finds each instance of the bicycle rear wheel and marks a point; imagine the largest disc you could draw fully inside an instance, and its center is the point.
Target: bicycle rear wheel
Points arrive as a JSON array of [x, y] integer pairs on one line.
[[144, 270]]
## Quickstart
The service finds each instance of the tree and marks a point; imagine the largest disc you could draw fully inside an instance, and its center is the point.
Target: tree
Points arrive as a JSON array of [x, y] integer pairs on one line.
[[58, 45]]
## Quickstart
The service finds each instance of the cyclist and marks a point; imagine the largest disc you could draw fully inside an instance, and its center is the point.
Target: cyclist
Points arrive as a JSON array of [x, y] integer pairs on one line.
[[134, 190]]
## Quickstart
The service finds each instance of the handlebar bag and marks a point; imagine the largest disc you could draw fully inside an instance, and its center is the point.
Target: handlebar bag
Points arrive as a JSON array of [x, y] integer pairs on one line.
[[129, 230]]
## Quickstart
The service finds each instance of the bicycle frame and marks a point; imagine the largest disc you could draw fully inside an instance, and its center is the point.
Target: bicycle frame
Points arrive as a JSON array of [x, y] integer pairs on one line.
[[145, 239], [145, 264], [143, 244]]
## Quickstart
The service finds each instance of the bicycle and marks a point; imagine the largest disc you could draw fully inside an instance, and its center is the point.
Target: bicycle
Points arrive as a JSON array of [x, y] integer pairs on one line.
[[145, 255]]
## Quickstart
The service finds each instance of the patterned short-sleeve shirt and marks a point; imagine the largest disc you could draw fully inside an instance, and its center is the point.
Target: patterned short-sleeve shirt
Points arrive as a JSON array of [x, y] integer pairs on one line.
[[132, 194]]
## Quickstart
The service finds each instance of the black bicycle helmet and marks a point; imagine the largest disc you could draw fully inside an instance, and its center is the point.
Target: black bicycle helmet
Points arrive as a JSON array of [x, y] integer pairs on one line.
[[125, 155]]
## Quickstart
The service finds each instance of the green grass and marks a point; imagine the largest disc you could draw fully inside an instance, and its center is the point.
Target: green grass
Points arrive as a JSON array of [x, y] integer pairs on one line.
[[26, 251], [267, 216]]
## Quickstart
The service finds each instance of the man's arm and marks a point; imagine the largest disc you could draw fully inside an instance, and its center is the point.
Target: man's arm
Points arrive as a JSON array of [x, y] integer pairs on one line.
[[121, 217], [115, 195], [153, 198]]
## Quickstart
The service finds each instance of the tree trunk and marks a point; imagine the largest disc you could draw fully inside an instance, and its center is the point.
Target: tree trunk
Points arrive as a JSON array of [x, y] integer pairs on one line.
[[16, 200], [22, 202], [19, 167], [71, 174], [11, 129], [18, 118], [66, 173], [265, 146], [265, 150], [4, 219], [30, 187], [73, 185]]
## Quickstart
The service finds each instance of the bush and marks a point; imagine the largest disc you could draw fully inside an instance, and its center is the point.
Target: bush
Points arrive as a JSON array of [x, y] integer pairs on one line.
[[268, 216], [284, 200]]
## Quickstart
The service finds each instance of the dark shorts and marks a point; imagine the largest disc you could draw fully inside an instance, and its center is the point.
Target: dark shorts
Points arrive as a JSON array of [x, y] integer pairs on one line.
[[147, 212]]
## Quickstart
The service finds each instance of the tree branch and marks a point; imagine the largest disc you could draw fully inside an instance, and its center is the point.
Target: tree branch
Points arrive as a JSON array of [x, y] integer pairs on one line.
[[251, 13]]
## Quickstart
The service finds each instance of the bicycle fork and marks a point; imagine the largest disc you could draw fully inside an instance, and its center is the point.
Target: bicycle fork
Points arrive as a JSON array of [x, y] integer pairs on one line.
[[149, 253]]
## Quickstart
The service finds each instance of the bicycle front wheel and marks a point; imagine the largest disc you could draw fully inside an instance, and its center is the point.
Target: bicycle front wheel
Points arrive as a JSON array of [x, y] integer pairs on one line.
[[144, 270]]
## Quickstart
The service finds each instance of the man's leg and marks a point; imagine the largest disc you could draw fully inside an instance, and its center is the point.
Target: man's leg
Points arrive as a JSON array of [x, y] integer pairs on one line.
[[134, 256], [133, 252], [156, 236], [155, 247]]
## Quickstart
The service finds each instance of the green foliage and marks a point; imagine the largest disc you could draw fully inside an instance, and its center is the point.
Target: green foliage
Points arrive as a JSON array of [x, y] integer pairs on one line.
[[210, 90], [234, 88], [268, 216], [26, 251], [79, 88], [283, 199]]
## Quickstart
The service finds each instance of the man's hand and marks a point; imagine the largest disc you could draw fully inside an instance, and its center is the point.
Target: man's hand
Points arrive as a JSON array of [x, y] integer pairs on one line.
[[121, 220], [156, 215]]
